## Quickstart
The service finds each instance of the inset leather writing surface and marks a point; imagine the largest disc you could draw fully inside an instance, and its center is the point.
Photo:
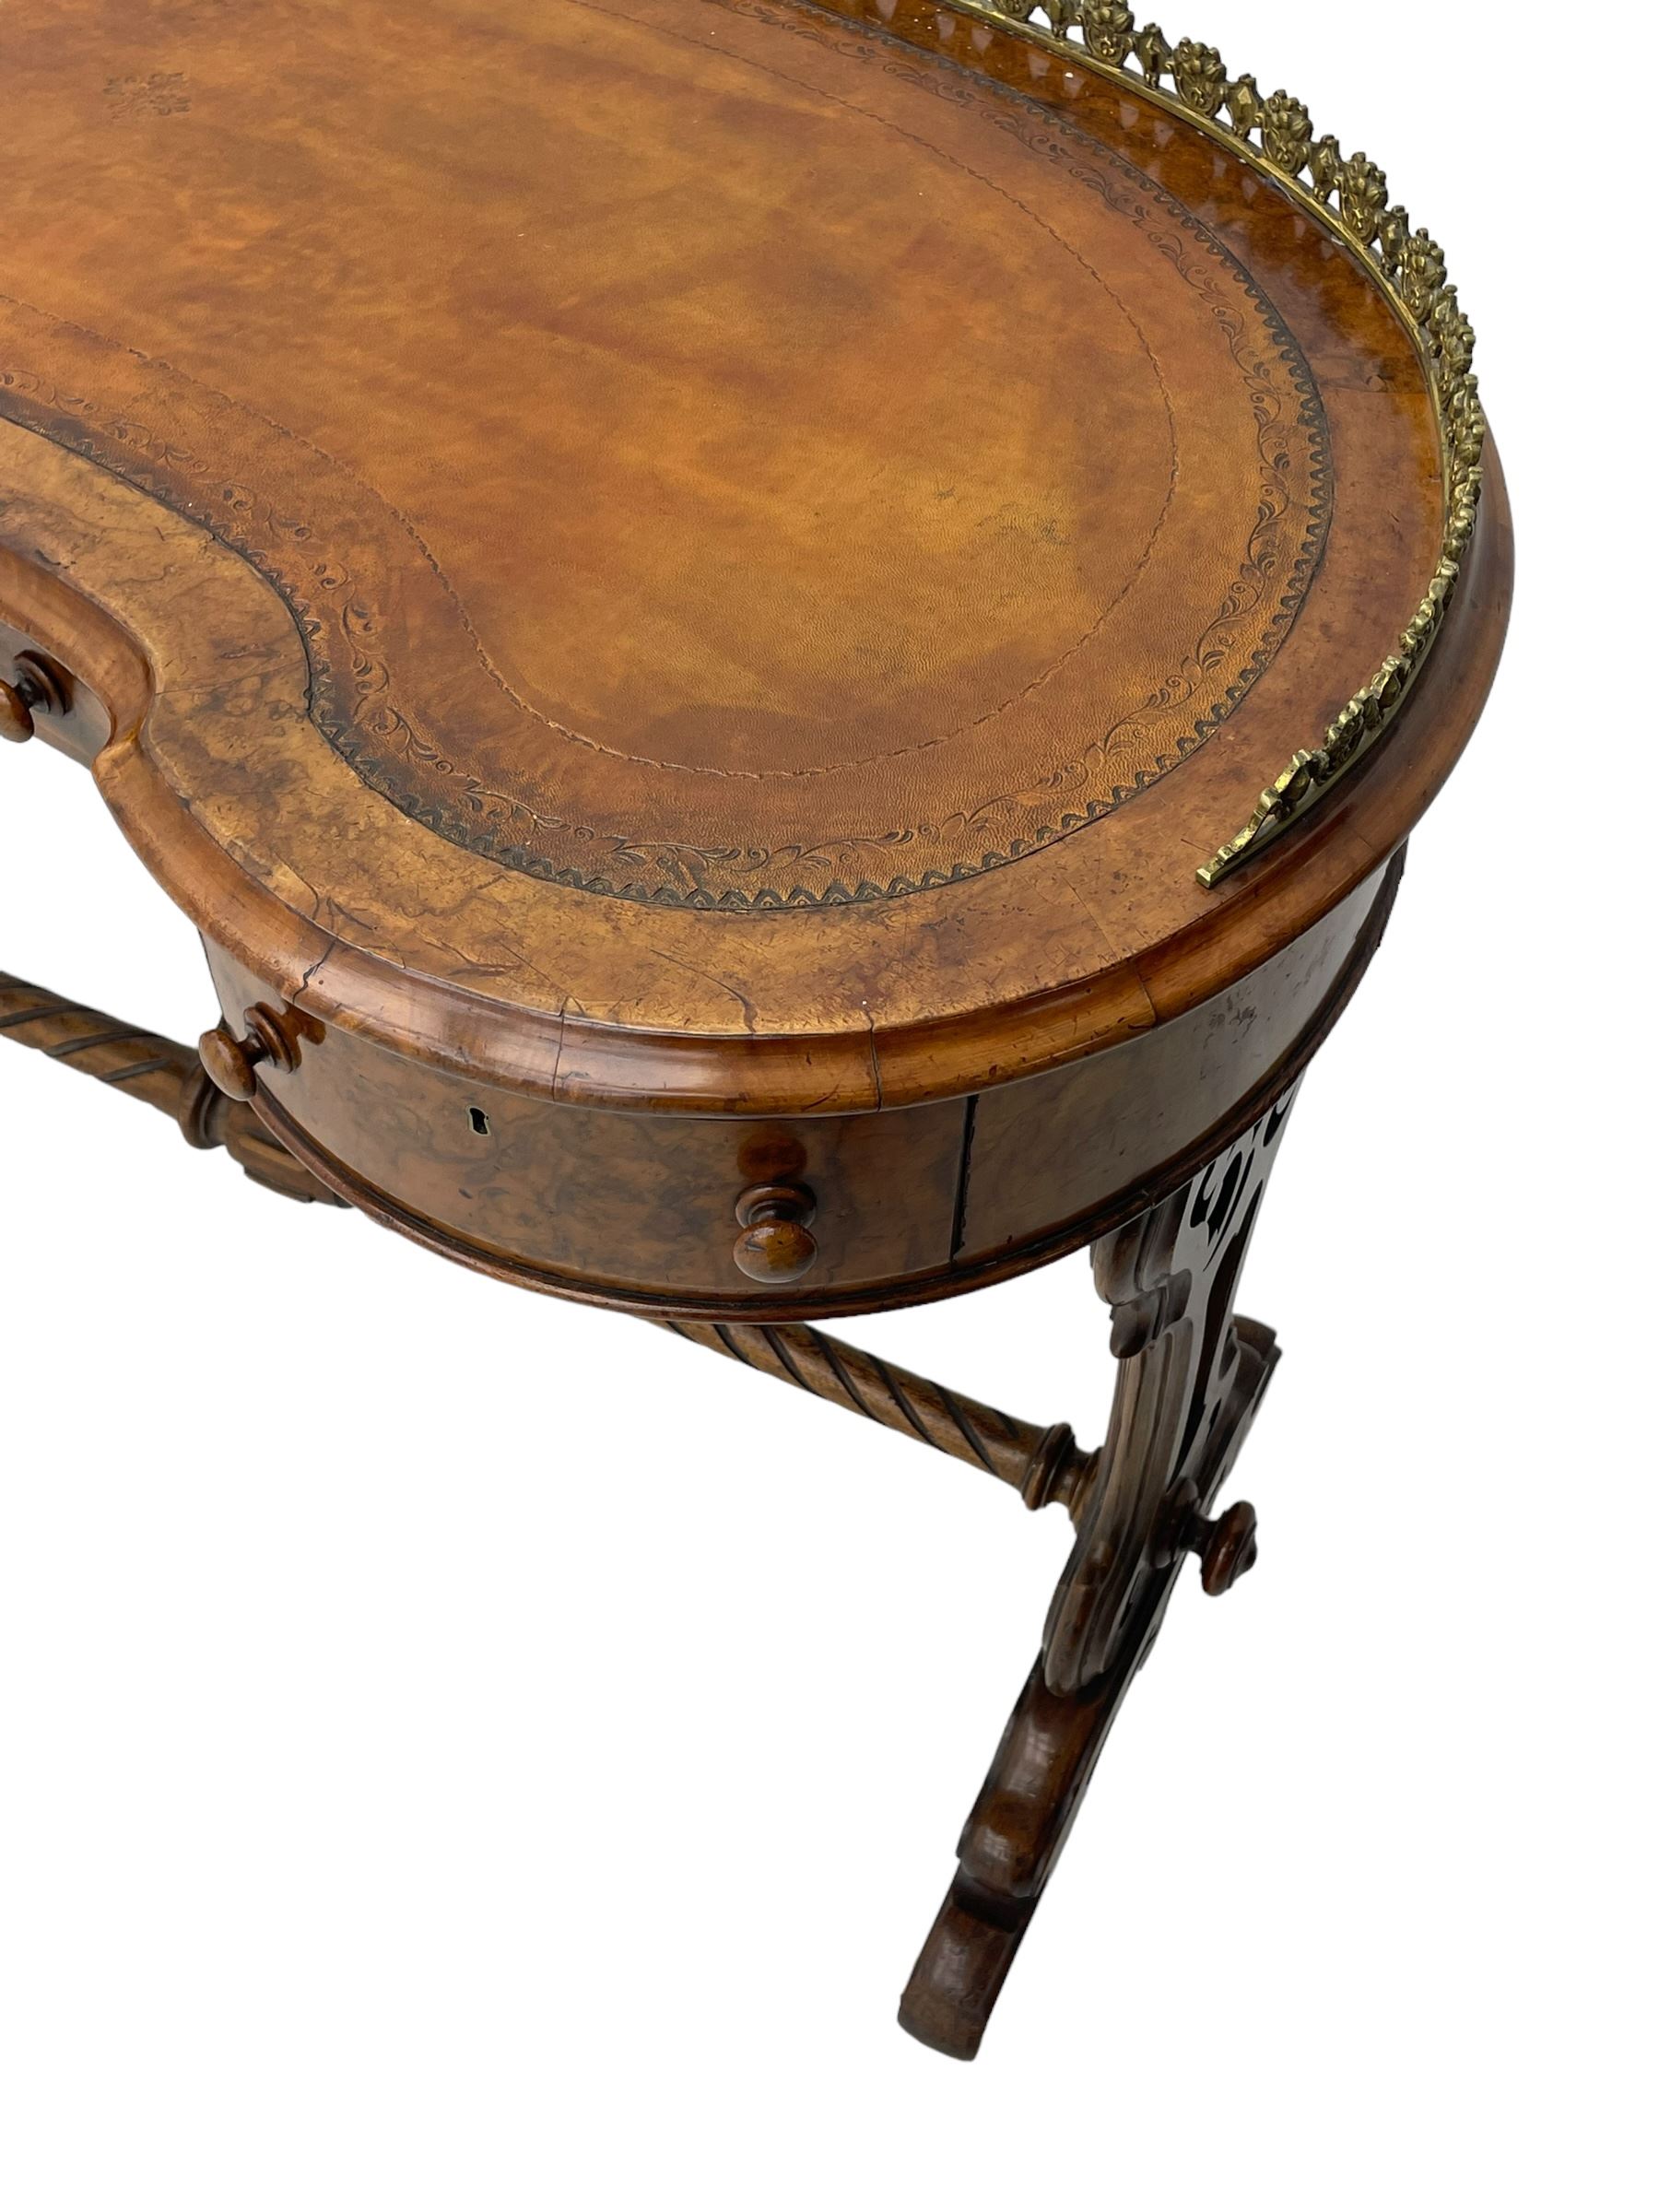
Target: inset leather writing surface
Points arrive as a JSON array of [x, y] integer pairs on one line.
[[705, 454], [776, 482]]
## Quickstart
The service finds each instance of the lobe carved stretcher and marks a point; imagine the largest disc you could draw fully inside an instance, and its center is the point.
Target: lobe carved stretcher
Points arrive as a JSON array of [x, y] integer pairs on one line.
[[1191, 1376]]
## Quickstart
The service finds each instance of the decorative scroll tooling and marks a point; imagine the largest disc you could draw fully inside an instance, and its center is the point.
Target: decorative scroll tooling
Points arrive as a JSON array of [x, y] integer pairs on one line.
[[1348, 194]]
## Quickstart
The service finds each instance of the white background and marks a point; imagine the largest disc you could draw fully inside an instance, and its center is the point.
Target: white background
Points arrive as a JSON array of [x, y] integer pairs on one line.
[[464, 1750]]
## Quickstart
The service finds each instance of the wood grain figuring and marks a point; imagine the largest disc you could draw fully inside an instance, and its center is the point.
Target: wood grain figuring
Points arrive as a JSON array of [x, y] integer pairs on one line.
[[1153, 487], [1191, 1378], [678, 589], [380, 534], [626, 1202], [641, 1210], [1048, 1149], [1152, 490]]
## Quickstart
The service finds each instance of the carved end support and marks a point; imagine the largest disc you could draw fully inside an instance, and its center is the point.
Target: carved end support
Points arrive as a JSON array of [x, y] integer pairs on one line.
[[1014, 1835], [1192, 1374], [949, 1998]]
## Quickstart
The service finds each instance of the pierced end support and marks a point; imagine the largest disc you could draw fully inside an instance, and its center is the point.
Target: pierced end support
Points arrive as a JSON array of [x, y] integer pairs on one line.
[[952, 1993], [1192, 1374]]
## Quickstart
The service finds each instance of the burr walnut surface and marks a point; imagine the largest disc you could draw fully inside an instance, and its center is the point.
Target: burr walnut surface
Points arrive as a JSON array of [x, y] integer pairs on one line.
[[711, 552], [679, 588]]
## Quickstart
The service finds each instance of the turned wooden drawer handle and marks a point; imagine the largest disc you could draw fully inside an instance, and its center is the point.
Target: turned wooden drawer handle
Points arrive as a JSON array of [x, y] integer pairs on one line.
[[230, 1061], [775, 1245], [38, 686]]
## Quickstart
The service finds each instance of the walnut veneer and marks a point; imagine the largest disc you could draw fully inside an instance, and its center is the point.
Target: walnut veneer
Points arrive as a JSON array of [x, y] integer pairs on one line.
[[678, 589]]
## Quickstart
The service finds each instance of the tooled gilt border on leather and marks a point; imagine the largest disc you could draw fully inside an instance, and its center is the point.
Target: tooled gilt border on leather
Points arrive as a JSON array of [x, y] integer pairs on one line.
[[1036, 127]]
